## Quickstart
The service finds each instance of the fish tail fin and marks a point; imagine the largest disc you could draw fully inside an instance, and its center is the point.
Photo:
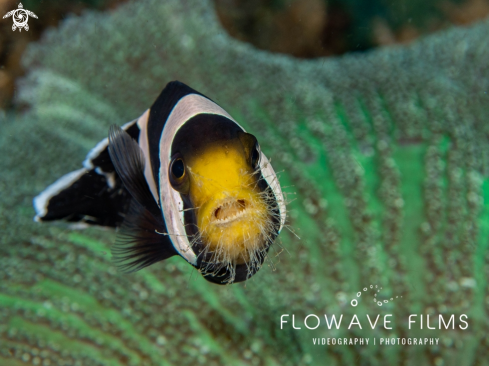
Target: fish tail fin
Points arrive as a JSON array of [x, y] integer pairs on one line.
[[84, 196], [94, 194]]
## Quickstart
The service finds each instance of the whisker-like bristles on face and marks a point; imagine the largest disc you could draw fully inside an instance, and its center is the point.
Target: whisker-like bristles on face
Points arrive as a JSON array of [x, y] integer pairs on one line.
[[170, 234], [289, 228], [239, 206], [189, 209], [254, 246]]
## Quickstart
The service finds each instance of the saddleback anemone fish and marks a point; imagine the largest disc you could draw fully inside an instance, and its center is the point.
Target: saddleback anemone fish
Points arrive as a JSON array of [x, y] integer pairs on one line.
[[184, 178]]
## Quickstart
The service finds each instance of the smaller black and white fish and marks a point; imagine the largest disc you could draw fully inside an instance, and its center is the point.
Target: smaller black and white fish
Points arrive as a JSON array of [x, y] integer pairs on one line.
[[184, 178]]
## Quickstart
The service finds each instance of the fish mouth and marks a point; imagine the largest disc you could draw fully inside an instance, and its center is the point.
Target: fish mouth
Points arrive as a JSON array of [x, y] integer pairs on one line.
[[230, 211]]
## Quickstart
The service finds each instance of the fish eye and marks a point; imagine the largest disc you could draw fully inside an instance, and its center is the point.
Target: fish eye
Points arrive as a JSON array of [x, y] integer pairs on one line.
[[177, 174], [251, 148], [255, 155], [177, 168]]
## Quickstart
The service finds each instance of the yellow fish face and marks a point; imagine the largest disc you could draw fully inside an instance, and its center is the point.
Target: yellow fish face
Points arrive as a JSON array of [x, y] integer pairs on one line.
[[234, 209], [230, 209]]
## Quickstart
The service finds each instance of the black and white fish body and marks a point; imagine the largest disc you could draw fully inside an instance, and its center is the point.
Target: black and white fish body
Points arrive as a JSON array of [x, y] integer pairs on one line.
[[183, 179]]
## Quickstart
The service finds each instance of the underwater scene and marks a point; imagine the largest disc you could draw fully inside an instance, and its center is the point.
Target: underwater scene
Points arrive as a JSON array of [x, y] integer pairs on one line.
[[244, 182]]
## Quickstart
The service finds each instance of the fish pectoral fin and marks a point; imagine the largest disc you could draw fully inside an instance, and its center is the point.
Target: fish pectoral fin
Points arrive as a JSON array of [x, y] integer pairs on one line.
[[128, 160], [140, 242]]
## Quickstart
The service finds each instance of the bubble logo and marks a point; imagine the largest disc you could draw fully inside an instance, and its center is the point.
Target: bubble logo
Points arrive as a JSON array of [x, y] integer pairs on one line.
[[376, 290], [20, 17]]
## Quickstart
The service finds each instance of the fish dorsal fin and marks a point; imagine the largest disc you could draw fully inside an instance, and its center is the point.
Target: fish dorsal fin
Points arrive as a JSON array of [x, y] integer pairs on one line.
[[139, 242], [128, 160]]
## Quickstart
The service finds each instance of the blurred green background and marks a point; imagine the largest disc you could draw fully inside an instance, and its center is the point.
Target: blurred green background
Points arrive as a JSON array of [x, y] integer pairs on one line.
[[303, 28]]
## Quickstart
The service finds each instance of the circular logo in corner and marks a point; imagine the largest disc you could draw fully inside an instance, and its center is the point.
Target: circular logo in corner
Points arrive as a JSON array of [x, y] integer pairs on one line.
[[20, 17]]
